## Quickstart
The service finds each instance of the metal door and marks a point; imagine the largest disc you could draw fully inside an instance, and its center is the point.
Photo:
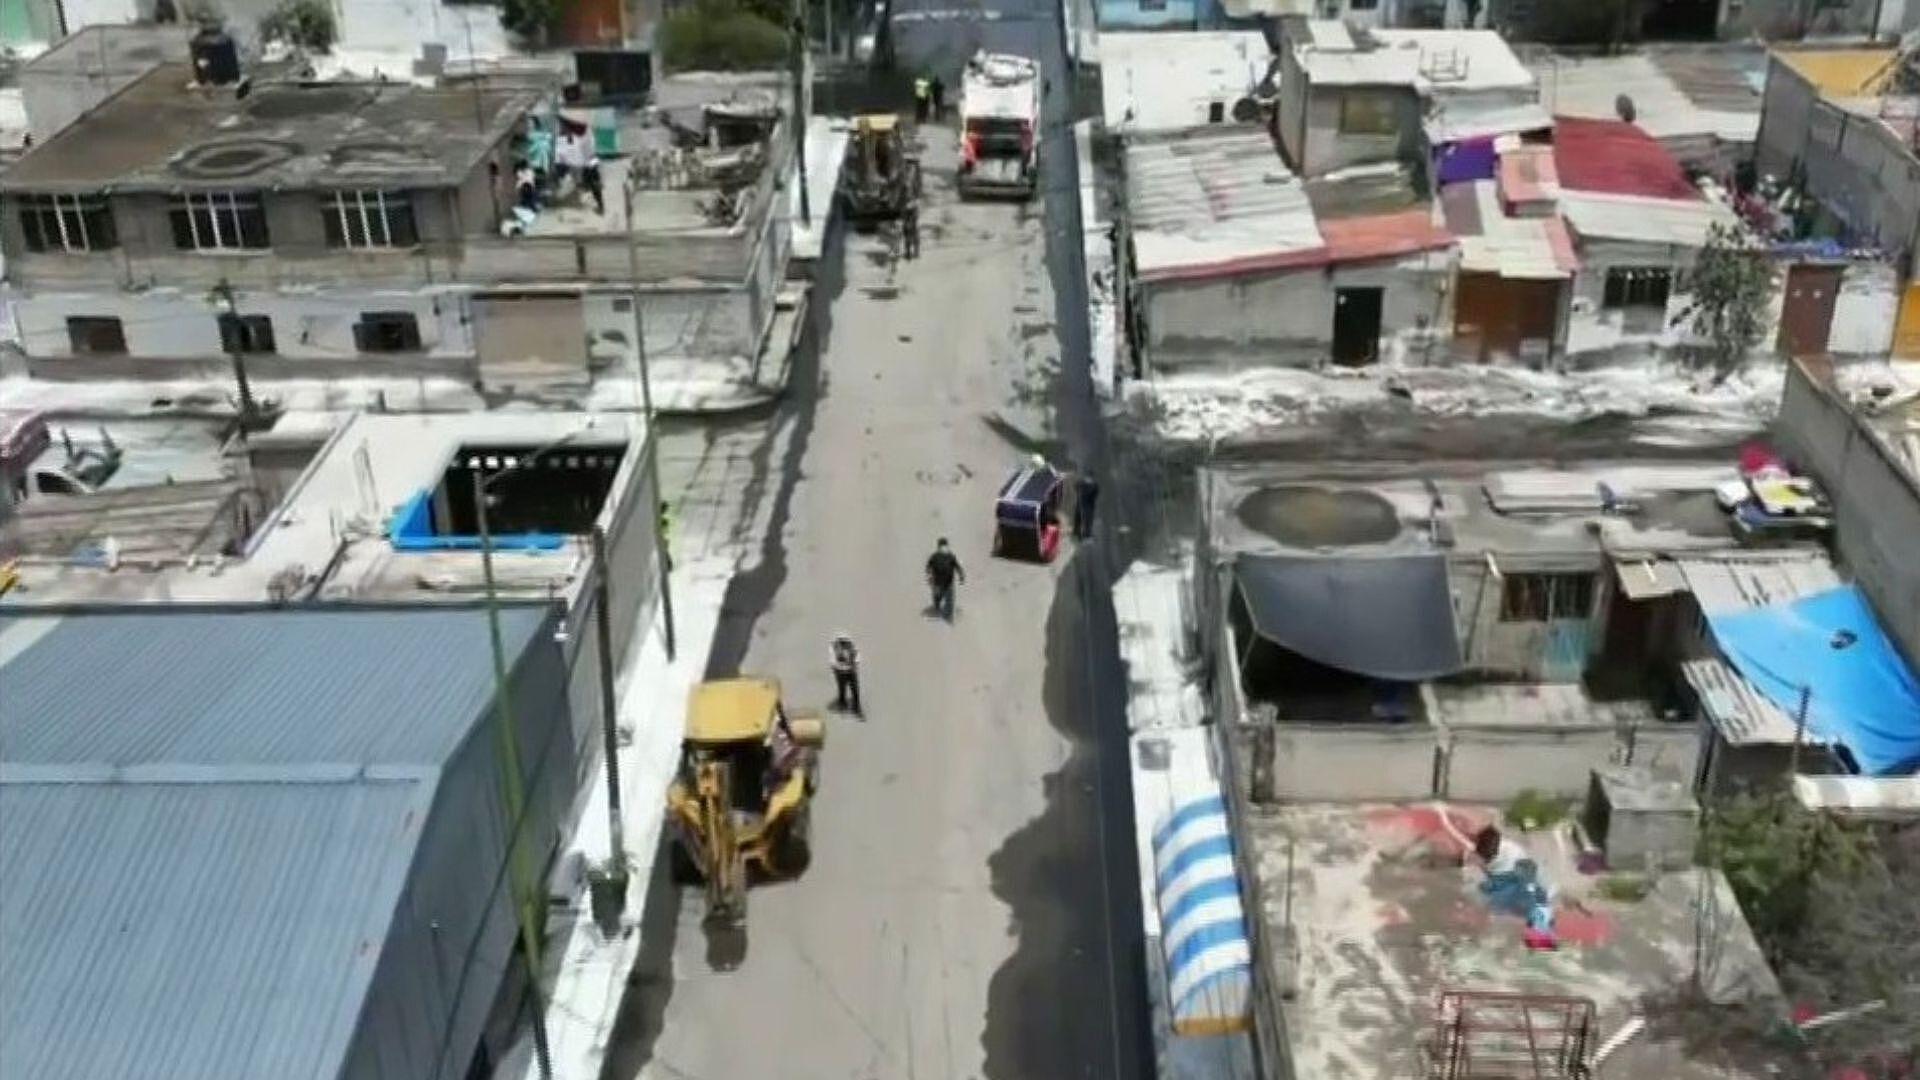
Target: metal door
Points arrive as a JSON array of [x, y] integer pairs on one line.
[[1806, 319]]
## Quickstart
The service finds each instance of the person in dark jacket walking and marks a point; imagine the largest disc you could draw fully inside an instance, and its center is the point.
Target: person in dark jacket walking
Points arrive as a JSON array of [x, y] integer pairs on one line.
[[1086, 493], [910, 231], [846, 674], [943, 569], [939, 91]]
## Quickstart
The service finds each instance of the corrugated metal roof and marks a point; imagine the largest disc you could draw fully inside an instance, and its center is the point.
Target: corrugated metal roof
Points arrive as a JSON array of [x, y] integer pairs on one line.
[[1454, 118], [1213, 203], [1739, 584], [194, 930], [1169, 80], [1735, 708], [1383, 236], [1741, 713], [1590, 87], [1512, 247], [1642, 220], [1617, 158], [207, 821], [219, 688]]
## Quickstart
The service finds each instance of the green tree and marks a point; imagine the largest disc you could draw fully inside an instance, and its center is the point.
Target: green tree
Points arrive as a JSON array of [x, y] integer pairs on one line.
[[1732, 287], [1834, 905], [307, 24], [720, 35], [529, 19]]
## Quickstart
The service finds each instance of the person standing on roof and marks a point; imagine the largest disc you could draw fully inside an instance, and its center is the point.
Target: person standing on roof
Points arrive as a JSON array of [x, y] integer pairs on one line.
[[845, 660], [943, 569], [922, 98]]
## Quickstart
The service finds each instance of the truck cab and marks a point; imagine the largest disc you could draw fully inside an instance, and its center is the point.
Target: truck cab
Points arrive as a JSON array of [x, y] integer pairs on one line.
[[999, 126]]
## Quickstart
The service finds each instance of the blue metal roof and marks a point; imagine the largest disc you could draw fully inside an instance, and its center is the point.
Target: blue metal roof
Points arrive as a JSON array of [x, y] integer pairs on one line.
[[195, 930], [227, 687], [208, 820]]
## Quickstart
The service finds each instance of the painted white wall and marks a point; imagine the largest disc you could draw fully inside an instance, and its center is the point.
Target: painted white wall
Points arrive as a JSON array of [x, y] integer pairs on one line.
[[168, 325], [96, 12], [1866, 310], [402, 26], [1286, 319]]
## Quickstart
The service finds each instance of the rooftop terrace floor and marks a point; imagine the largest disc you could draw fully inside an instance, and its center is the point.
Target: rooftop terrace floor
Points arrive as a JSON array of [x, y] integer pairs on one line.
[[1385, 918]]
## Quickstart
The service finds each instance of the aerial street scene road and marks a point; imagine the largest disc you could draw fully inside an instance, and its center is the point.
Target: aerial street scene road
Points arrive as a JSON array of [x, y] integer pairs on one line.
[[959, 540]]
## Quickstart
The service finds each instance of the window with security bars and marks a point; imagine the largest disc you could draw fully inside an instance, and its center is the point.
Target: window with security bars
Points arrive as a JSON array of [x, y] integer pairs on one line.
[[219, 221], [246, 333], [1638, 286], [370, 219], [1546, 597], [66, 223]]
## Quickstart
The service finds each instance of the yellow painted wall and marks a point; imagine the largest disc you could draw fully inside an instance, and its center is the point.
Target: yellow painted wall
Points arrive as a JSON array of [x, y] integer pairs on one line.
[[1841, 72], [1906, 333]]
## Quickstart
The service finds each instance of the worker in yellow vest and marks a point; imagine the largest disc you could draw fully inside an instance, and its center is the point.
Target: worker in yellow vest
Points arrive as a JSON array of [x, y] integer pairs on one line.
[[922, 97]]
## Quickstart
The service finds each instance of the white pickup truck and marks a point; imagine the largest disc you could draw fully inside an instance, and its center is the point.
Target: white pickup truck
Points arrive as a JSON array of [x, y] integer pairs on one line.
[[999, 125]]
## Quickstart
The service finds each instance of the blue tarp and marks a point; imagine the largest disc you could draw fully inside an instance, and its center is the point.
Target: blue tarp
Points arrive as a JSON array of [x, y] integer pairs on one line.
[[1468, 159], [1861, 693], [412, 529]]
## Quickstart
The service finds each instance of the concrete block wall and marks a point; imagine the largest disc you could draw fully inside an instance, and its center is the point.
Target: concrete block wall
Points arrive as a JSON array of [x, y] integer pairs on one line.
[[1876, 500], [313, 331], [1286, 318]]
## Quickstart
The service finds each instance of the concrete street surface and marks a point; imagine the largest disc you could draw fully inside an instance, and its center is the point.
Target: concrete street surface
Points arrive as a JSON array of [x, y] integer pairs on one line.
[[970, 910]]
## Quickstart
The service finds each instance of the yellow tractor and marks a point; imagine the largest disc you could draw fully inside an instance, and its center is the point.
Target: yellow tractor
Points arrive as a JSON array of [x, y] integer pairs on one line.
[[742, 799], [882, 176]]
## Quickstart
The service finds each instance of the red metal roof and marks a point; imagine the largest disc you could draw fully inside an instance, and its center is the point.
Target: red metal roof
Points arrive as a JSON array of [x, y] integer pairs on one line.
[[1616, 158], [1352, 239], [1383, 236]]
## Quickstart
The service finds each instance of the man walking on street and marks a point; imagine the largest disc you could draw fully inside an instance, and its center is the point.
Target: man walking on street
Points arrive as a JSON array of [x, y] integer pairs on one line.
[[846, 674], [1086, 493], [939, 100], [942, 570], [922, 98], [910, 231]]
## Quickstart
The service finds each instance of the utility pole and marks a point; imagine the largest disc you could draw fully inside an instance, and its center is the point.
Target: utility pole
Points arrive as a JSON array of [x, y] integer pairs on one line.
[[614, 874], [799, 106], [249, 412], [523, 903], [646, 406]]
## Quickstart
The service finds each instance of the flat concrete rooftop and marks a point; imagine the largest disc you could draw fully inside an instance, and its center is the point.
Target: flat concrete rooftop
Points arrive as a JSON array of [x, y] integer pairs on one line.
[[329, 534], [1525, 509], [163, 134], [1385, 918]]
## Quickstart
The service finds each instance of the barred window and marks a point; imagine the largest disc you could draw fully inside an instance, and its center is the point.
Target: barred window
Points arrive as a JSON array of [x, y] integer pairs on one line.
[[67, 223], [1637, 286], [219, 221], [370, 219], [1546, 597]]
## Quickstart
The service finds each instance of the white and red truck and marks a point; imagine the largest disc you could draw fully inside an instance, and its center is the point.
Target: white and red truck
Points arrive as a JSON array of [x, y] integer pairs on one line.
[[999, 125]]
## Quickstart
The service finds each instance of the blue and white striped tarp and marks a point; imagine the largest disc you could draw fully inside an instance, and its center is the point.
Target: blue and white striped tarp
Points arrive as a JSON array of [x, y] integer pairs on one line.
[[1203, 928]]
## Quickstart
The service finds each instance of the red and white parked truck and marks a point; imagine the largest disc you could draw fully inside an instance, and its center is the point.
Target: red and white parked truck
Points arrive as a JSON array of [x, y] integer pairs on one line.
[[999, 126]]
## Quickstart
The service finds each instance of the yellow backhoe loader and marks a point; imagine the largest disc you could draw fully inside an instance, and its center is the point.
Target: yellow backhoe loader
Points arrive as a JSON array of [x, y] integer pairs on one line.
[[741, 801]]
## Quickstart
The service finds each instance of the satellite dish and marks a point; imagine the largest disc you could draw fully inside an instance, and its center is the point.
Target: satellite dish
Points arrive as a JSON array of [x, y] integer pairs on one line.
[[1246, 111]]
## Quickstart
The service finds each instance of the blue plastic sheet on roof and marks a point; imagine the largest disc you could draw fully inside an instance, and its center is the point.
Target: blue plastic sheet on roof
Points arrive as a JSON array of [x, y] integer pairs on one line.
[[1861, 693]]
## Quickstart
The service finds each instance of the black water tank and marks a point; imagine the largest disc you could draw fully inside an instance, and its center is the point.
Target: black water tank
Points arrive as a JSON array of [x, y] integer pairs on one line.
[[216, 60]]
